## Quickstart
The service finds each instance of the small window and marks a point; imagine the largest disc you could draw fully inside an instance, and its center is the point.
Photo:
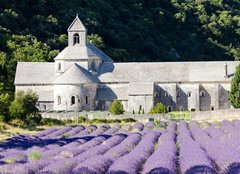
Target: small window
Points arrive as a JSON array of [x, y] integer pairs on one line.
[[59, 100], [169, 108], [189, 94], [44, 107], [166, 94], [156, 95], [73, 100], [59, 66], [202, 94], [86, 99], [178, 94], [76, 39], [212, 108], [193, 109]]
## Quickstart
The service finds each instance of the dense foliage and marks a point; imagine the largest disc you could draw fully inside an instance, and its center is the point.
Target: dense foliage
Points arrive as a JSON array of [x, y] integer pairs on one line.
[[177, 148], [4, 104], [24, 107], [158, 109], [234, 93], [127, 30], [116, 108]]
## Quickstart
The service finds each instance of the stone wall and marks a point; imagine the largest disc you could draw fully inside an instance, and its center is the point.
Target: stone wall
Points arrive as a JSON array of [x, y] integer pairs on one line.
[[84, 95], [216, 115], [145, 101], [73, 115]]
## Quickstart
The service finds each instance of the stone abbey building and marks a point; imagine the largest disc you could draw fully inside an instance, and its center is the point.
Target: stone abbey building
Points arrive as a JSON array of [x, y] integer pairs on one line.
[[85, 78]]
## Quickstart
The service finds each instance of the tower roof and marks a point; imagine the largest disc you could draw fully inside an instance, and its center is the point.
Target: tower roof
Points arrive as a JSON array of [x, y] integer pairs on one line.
[[75, 75], [76, 25]]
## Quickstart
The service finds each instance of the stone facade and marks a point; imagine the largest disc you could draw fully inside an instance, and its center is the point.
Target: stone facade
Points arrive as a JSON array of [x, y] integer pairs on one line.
[[85, 78]]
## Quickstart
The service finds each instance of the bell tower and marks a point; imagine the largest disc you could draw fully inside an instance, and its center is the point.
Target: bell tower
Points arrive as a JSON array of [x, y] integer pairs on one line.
[[76, 51], [77, 33]]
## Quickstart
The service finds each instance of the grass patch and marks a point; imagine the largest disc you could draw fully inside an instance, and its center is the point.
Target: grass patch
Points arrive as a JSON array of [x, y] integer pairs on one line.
[[34, 155], [180, 115]]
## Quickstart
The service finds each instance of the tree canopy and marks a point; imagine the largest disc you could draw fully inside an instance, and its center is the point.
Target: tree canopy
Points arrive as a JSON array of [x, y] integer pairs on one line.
[[116, 108], [158, 109], [24, 106], [234, 93]]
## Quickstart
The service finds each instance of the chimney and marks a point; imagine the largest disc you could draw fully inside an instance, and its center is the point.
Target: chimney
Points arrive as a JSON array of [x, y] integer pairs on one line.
[[225, 70]]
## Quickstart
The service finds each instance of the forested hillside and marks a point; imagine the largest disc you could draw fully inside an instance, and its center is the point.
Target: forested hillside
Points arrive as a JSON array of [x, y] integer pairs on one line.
[[128, 30]]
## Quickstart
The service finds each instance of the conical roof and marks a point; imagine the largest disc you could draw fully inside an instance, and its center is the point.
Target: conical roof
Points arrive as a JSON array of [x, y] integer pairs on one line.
[[75, 75], [76, 25]]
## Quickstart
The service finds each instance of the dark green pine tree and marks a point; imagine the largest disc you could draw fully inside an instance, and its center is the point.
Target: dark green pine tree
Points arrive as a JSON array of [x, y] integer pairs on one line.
[[234, 93]]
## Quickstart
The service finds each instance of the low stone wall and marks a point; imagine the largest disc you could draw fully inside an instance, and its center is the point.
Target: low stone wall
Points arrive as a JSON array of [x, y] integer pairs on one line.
[[216, 115], [73, 116], [141, 118], [197, 116]]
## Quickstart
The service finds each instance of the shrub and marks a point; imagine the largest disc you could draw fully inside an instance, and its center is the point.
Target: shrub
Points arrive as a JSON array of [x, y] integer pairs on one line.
[[128, 120], [234, 93], [81, 119], [158, 109], [17, 122], [4, 104], [24, 106], [51, 122], [116, 108]]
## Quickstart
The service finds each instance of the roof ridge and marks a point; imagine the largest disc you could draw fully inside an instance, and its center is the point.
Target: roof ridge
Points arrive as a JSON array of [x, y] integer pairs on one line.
[[75, 74], [81, 26]]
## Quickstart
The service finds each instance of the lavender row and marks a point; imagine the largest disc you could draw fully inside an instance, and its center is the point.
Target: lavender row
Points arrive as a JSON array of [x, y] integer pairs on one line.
[[164, 159], [55, 163], [226, 159], [101, 163], [132, 162], [193, 159]]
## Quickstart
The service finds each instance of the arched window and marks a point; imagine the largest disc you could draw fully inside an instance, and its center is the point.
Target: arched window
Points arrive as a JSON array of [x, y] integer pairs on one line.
[[59, 100], [189, 94], [202, 94], [59, 66], [73, 100], [76, 39], [169, 108]]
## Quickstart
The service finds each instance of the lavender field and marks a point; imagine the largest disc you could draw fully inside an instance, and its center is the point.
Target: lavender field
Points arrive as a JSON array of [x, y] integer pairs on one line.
[[184, 148]]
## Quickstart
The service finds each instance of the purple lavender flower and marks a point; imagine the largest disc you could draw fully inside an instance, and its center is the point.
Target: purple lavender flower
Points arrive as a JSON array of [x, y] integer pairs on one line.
[[164, 159], [124, 147], [137, 127], [94, 165], [222, 155], [131, 163], [46, 132]]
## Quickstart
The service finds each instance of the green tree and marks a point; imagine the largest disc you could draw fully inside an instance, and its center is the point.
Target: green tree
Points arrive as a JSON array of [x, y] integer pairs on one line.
[[3, 59], [96, 40], [4, 104], [24, 106], [158, 109], [29, 49], [116, 108], [234, 93]]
